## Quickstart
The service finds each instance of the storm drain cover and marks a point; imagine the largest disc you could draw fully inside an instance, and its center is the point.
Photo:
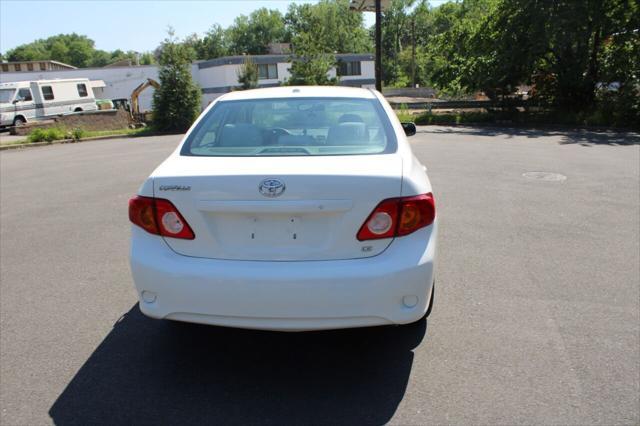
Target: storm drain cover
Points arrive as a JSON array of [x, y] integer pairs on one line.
[[545, 176]]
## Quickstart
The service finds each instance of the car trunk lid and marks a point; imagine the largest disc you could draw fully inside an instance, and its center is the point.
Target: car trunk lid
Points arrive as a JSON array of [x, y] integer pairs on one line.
[[228, 204]]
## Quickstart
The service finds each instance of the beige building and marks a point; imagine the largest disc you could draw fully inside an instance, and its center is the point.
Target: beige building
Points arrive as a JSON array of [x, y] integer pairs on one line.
[[25, 66]]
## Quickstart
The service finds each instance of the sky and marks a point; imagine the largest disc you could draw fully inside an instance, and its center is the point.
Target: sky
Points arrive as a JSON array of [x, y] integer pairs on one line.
[[127, 25]]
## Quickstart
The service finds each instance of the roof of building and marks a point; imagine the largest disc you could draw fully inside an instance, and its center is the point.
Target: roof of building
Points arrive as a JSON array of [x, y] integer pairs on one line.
[[274, 59], [48, 61]]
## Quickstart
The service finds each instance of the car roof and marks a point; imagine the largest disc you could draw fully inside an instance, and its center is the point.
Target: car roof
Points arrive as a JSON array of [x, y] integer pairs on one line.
[[299, 92]]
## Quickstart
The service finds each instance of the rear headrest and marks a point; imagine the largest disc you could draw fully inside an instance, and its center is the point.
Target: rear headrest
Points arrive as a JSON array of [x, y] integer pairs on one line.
[[350, 118], [240, 134], [348, 134]]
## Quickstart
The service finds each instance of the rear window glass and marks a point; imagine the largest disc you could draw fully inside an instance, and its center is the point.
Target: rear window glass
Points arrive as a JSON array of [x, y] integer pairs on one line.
[[300, 126]]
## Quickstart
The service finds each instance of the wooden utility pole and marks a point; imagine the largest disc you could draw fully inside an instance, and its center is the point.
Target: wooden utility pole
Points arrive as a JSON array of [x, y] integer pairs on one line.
[[378, 46], [413, 52], [374, 6]]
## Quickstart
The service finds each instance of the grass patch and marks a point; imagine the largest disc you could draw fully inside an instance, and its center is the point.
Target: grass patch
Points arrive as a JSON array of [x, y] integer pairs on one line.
[[58, 133], [404, 115], [17, 142], [142, 131]]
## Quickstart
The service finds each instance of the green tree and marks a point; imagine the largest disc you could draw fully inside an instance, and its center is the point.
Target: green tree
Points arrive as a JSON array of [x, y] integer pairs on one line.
[[311, 65], [147, 58], [192, 45], [72, 49], [565, 48], [177, 103], [248, 74], [396, 35], [214, 43], [329, 26], [312, 71], [252, 34]]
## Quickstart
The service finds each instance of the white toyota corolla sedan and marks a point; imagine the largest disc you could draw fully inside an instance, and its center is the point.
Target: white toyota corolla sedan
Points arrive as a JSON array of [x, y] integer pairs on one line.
[[290, 208]]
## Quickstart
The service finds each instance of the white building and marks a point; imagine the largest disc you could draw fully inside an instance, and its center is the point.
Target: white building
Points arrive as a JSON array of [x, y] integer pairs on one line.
[[215, 76]]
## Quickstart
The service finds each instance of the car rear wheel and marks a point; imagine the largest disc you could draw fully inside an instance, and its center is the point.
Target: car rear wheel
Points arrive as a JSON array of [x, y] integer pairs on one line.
[[433, 296]]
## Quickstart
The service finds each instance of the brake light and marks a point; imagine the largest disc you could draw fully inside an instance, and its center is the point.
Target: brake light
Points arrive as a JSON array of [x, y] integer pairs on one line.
[[160, 217], [395, 217]]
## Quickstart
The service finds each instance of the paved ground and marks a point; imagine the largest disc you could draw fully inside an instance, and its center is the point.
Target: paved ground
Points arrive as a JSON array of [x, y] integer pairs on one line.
[[6, 138], [536, 317]]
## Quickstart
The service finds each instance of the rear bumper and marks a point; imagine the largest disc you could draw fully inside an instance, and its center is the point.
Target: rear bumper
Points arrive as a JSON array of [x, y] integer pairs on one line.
[[393, 287]]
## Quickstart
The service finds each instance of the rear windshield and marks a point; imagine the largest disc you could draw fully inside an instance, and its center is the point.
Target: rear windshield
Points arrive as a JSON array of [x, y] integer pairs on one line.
[[300, 126]]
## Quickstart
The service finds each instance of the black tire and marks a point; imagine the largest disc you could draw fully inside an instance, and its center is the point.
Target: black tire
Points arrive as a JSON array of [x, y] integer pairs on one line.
[[19, 121], [433, 296], [77, 109]]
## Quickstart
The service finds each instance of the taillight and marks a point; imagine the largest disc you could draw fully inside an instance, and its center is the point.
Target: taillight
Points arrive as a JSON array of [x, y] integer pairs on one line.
[[159, 216], [395, 217]]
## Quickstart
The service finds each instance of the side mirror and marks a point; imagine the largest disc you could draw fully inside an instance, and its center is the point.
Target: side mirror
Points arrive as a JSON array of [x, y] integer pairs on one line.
[[16, 100], [409, 128]]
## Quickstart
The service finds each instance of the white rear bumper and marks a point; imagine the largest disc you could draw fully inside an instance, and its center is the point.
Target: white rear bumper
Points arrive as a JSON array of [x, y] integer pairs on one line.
[[291, 296]]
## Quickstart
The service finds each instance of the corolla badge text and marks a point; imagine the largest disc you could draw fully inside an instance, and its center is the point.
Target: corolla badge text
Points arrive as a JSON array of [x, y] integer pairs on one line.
[[271, 188], [175, 188]]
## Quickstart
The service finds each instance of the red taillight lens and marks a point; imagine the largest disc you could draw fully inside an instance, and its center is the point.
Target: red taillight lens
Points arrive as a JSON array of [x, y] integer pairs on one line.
[[141, 213], [396, 217], [415, 213], [160, 217], [371, 229]]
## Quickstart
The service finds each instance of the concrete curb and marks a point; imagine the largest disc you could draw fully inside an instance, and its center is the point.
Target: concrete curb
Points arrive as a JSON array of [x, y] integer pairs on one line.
[[533, 126], [61, 141], [529, 126]]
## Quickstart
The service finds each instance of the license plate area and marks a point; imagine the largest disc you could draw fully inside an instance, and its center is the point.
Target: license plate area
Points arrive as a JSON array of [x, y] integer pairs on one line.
[[274, 229]]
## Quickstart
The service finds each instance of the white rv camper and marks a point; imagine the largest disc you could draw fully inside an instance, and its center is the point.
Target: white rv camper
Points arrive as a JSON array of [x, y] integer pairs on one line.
[[24, 101]]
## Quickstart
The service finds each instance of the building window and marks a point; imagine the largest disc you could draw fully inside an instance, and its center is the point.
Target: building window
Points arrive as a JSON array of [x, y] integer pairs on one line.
[[5, 67], [43, 66], [82, 90], [17, 67], [349, 68], [24, 94], [267, 71], [47, 93], [29, 67]]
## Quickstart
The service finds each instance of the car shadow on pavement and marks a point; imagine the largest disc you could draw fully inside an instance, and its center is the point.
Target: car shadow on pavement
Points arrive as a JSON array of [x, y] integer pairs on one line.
[[160, 372]]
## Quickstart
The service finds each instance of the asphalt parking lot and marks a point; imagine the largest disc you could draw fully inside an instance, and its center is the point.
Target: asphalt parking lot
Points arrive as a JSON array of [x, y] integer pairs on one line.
[[536, 321]]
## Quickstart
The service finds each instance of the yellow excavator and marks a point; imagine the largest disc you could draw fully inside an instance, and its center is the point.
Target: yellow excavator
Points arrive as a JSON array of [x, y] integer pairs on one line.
[[136, 115]]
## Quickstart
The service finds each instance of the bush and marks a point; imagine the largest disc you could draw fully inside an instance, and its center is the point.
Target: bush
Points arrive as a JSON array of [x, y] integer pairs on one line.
[[456, 118], [47, 135], [37, 135], [54, 134], [77, 134], [404, 115], [248, 74]]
